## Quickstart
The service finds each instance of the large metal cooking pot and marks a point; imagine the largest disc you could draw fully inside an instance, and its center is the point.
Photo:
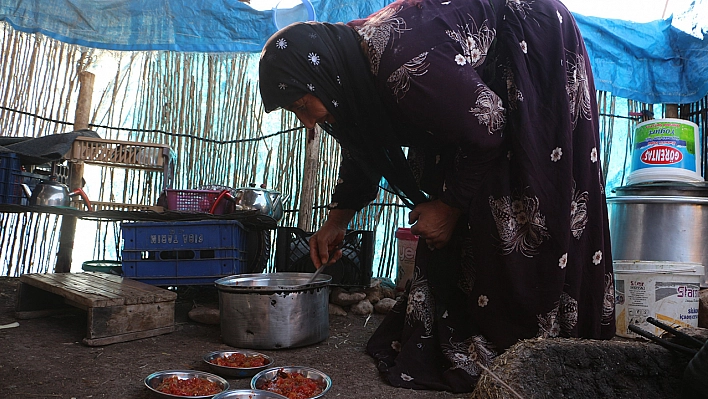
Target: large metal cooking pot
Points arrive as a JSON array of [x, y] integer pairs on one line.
[[663, 221], [273, 310]]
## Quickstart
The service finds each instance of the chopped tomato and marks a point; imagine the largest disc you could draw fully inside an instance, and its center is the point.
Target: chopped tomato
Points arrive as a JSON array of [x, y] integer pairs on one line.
[[188, 386], [294, 385], [240, 360]]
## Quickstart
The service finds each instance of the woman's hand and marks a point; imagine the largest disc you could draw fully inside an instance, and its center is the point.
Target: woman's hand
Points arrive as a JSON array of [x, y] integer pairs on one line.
[[329, 236], [434, 221]]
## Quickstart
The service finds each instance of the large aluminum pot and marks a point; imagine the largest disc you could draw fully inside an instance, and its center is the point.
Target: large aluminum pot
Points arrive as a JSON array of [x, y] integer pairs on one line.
[[273, 310], [665, 221]]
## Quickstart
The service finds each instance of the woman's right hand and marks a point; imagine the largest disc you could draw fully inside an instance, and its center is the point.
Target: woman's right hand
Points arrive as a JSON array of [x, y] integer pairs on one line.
[[329, 236], [434, 222]]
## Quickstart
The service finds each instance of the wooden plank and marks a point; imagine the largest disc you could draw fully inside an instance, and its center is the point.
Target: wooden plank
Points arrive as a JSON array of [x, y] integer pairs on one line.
[[65, 280], [125, 319], [161, 294], [91, 282], [128, 337], [135, 288], [61, 284], [50, 283], [95, 289], [90, 286]]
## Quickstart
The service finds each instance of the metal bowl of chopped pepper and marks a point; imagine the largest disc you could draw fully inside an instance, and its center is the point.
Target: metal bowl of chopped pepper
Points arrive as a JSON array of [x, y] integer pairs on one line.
[[239, 363], [170, 384], [293, 381]]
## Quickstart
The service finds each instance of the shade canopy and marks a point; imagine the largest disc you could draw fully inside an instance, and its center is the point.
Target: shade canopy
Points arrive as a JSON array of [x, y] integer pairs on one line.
[[651, 62]]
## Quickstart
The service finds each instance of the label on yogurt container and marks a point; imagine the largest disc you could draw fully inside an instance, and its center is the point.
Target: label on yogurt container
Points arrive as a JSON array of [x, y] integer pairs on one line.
[[666, 144]]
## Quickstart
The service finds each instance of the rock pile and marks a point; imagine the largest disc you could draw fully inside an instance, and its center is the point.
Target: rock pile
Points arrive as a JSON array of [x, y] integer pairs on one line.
[[379, 297]]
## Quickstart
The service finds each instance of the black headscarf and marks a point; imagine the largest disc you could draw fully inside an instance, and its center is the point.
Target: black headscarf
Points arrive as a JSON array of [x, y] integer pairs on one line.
[[326, 60]]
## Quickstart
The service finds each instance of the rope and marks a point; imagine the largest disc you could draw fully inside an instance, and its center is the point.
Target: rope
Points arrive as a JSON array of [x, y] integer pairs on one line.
[[172, 134]]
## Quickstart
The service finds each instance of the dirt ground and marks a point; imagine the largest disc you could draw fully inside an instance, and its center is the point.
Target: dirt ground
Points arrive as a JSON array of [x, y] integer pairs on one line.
[[45, 357]]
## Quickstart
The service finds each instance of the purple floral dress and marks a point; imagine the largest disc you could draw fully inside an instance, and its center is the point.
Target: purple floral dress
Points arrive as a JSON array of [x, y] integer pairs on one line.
[[496, 101]]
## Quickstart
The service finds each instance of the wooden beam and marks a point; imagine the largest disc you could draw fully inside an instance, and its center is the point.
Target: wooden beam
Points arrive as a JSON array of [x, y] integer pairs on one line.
[[671, 110], [309, 178], [83, 103], [76, 174]]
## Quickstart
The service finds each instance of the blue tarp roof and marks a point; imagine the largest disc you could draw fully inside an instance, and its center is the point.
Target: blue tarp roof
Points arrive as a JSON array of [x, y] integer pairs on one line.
[[649, 62]]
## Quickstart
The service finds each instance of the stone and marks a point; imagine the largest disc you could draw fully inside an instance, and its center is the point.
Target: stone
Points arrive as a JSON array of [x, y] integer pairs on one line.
[[375, 282], [373, 294], [336, 310], [205, 315], [384, 306], [388, 292], [342, 297], [362, 308]]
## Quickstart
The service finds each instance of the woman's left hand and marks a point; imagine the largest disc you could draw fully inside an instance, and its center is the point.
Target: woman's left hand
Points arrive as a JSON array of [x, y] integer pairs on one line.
[[434, 221]]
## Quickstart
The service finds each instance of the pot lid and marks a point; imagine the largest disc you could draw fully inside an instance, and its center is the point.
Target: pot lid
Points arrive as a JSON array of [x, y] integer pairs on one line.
[[664, 188], [271, 282]]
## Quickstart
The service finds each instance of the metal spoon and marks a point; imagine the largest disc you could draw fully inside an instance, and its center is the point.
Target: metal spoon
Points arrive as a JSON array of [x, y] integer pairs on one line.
[[318, 271]]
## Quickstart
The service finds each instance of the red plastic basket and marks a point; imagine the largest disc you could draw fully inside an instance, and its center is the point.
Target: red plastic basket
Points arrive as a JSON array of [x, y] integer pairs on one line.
[[197, 201]]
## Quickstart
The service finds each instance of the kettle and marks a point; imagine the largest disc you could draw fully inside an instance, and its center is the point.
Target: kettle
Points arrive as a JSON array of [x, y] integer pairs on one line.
[[53, 193], [267, 202]]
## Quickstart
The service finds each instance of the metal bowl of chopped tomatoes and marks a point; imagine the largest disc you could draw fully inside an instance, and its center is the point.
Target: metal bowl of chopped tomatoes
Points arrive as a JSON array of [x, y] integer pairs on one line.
[[171, 384], [248, 394], [294, 382], [239, 363]]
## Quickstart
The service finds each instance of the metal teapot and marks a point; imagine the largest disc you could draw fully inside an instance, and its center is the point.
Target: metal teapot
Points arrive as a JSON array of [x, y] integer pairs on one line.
[[53, 193], [267, 202]]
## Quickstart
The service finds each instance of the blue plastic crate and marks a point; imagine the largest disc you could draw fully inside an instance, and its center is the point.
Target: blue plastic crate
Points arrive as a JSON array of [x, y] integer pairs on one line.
[[181, 272], [203, 234], [10, 189], [12, 177], [183, 253]]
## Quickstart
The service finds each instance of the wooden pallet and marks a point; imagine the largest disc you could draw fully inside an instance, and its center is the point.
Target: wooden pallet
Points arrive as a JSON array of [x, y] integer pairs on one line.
[[115, 206], [118, 309]]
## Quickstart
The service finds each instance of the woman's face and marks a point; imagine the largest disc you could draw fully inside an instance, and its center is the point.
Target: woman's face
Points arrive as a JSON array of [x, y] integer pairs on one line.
[[310, 111]]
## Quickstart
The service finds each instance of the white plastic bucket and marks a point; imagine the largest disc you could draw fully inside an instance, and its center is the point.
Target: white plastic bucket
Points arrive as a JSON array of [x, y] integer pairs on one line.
[[665, 150], [667, 291], [407, 243]]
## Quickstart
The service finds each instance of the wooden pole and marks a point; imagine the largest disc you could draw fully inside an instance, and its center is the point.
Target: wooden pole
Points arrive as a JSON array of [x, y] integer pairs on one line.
[[671, 110], [76, 174], [666, 5], [309, 178]]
